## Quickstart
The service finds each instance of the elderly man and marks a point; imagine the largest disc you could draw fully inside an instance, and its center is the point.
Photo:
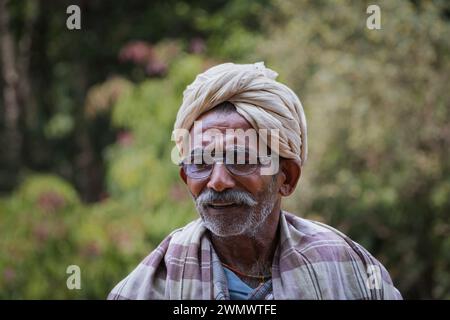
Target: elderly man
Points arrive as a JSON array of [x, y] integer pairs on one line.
[[244, 246]]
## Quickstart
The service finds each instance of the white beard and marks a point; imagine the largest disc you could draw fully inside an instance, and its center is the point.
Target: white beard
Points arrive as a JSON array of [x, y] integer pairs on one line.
[[247, 225]]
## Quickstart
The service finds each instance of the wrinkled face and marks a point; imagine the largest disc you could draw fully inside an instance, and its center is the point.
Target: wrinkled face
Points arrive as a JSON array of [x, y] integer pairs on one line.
[[230, 203]]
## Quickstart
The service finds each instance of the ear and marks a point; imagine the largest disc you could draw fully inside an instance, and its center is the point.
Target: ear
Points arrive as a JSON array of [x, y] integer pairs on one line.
[[290, 173], [183, 175]]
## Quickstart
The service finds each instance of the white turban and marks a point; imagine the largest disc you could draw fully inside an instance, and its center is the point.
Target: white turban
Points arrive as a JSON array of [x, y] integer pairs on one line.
[[257, 96]]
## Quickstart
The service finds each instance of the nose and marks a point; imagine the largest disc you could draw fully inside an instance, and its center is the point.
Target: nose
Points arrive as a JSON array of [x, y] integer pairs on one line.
[[220, 178]]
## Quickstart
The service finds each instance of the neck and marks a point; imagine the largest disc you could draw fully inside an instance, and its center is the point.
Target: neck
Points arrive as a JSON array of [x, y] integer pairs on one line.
[[250, 254]]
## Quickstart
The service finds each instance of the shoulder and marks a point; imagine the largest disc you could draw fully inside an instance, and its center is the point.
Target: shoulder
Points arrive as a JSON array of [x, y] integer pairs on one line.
[[147, 280], [320, 241], [333, 253], [308, 233]]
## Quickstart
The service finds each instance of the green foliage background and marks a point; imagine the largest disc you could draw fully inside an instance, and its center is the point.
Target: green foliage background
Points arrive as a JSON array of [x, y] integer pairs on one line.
[[378, 111]]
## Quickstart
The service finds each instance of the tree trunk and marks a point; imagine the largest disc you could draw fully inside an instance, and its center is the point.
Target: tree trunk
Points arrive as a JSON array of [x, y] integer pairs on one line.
[[11, 146]]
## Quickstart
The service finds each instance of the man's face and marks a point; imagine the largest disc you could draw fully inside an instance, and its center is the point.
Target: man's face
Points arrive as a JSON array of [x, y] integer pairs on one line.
[[230, 204]]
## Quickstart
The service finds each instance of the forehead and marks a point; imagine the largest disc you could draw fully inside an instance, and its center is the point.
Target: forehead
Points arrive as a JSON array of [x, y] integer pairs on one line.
[[217, 128], [223, 120]]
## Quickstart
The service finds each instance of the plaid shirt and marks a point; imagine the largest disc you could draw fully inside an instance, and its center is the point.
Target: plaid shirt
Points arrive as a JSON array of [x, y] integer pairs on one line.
[[312, 261]]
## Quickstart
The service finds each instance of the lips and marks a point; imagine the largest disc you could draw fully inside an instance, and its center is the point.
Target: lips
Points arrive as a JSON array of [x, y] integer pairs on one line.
[[222, 205]]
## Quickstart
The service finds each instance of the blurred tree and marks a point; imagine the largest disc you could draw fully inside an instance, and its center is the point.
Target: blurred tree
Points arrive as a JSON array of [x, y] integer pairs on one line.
[[96, 107], [55, 68], [99, 109], [377, 105], [12, 139]]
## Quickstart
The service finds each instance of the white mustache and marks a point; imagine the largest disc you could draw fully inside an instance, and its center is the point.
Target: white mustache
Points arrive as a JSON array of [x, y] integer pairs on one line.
[[210, 196]]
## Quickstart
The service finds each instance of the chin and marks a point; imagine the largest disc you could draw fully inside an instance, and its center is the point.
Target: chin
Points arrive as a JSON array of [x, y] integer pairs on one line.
[[223, 233], [227, 227]]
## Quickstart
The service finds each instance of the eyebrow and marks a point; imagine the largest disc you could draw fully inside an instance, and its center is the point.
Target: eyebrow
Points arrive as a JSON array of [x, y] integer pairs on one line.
[[198, 151]]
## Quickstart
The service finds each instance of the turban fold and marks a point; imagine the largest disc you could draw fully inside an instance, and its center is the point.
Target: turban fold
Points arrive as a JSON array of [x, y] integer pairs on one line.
[[257, 96]]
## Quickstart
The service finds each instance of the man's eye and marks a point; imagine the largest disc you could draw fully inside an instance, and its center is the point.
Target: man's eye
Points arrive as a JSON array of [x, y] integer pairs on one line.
[[199, 166], [245, 158]]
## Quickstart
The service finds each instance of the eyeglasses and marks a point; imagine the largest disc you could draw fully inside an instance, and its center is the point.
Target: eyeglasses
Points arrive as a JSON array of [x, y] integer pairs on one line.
[[241, 164]]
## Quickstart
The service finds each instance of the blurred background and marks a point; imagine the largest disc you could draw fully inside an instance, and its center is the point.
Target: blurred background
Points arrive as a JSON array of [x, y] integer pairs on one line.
[[86, 118]]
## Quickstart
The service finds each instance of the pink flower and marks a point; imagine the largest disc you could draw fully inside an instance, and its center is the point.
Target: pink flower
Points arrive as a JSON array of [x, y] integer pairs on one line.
[[197, 46], [9, 274], [125, 138], [50, 201]]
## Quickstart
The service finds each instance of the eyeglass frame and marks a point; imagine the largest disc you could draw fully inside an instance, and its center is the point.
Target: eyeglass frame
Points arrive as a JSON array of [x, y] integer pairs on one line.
[[261, 161]]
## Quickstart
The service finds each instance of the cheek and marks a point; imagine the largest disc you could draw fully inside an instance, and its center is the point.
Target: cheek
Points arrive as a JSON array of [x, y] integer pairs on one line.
[[196, 186], [256, 184], [253, 184], [271, 183]]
